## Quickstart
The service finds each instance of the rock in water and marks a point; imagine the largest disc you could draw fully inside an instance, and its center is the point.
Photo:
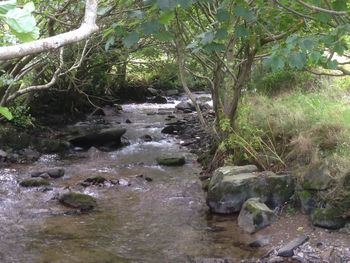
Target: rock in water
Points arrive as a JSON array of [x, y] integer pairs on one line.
[[255, 216], [231, 186], [288, 249], [76, 200], [171, 161], [106, 137], [34, 182], [56, 173]]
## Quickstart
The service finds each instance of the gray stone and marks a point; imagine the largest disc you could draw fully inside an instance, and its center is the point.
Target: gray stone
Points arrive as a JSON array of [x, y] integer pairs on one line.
[[231, 186], [260, 242], [153, 91], [255, 215], [3, 154], [317, 177], [172, 92], [288, 249], [106, 137], [56, 173], [185, 106]]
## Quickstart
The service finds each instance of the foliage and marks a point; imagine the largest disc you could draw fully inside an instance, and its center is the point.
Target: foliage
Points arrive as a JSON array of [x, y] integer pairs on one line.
[[292, 129], [273, 83], [21, 116]]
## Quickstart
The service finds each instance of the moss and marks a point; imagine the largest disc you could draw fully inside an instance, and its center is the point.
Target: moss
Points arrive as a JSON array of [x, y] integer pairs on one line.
[[330, 217], [34, 182], [77, 200], [171, 161]]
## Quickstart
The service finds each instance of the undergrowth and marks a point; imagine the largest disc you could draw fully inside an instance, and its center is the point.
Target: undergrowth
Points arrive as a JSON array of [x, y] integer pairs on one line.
[[293, 129]]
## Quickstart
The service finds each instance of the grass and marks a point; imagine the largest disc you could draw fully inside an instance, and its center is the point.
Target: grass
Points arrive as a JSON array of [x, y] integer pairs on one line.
[[294, 129]]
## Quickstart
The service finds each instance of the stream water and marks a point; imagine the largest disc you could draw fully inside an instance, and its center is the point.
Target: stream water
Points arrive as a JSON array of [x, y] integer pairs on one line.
[[164, 220]]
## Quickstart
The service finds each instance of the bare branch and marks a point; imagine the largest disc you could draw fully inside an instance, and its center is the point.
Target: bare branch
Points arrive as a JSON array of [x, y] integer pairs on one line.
[[87, 28], [323, 10]]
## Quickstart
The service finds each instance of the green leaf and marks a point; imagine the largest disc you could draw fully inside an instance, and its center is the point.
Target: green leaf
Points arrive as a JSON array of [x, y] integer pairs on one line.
[[333, 64], [223, 15], [315, 56], [276, 62], [6, 113], [207, 37], [297, 60], [164, 36], [221, 34], [166, 17], [22, 23], [5, 6], [151, 27], [110, 42], [339, 5], [243, 12], [307, 44], [241, 31], [131, 39], [214, 47]]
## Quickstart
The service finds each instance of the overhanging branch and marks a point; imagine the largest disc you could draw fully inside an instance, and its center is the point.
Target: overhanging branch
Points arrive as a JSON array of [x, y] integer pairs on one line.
[[87, 28]]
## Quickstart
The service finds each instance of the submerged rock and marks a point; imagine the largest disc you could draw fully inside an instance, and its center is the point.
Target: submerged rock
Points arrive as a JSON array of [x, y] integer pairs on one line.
[[231, 186], [171, 161], [260, 242], [255, 215], [329, 217], [107, 137], [77, 200], [34, 182]]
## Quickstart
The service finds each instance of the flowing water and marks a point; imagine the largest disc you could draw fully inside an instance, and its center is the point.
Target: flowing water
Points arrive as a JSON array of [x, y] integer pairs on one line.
[[165, 220]]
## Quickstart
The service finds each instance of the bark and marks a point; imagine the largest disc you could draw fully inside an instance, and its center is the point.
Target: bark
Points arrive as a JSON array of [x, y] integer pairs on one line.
[[87, 28]]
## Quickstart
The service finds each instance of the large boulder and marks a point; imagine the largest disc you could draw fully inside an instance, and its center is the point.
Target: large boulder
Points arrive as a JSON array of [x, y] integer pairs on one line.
[[107, 137], [231, 186], [255, 215], [185, 106]]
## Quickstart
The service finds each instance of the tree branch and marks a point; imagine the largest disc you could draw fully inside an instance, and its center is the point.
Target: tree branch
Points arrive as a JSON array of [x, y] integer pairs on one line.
[[87, 28]]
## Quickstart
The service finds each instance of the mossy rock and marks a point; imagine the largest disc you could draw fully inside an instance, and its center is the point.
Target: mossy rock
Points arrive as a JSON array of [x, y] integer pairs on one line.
[[329, 217], [171, 161], [52, 146], [317, 177], [255, 216], [77, 200], [34, 182]]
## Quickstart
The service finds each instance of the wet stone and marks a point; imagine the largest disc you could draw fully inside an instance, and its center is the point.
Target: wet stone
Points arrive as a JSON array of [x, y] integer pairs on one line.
[[171, 161], [260, 242], [77, 200], [34, 182], [96, 180]]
